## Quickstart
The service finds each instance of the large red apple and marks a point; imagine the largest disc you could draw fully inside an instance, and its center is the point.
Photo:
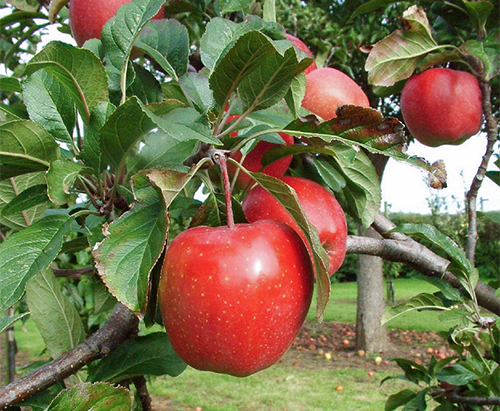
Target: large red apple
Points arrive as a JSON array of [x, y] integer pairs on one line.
[[442, 106], [234, 299], [320, 206], [298, 43], [87, 17], [253, 160], [327, 89]]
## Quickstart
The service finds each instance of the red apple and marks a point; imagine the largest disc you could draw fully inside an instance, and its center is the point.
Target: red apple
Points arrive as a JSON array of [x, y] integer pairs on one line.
[[442, 106], [328, 88], [87, 17], [234, 299], [253, 160], [299, 44], [320, 206]]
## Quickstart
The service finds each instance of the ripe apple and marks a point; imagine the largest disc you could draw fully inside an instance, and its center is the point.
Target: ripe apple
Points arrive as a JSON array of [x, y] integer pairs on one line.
[[442, 106], [87, 17], [253, 160], [328, 88], [320, 206], [234, 299], [299, 44]]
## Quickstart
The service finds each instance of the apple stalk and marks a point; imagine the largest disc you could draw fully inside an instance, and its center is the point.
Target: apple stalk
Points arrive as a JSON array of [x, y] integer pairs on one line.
[[219, 157]]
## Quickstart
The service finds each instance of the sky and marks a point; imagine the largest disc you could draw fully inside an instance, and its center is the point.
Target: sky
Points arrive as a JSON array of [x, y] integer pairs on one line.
[[404, 187]]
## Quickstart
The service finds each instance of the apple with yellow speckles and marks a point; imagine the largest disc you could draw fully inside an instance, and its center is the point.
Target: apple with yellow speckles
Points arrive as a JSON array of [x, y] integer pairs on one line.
[[233, 299], [320, 206]]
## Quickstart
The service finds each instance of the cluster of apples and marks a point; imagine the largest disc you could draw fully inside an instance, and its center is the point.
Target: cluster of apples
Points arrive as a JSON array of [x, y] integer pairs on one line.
[[234, 298]]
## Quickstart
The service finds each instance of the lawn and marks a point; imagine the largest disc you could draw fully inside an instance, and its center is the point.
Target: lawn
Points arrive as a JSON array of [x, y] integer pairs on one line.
[[295, 383], [342, 306]]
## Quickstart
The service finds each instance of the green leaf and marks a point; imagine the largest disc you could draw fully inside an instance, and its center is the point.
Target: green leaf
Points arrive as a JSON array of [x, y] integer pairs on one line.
[[166, 41], [423, 301], [50, 104], [60, 178], [27, 199], [456, 375], [132, 120], [151, 354], [257, 70], [132, 245], [119, 34], [55, 317], [92, 397], [10, 84], [12, 193], [161, 150], [197, 88], [145, 86], [329, 174], [25, 5], [171, 182], [362, 193], [25, 147], [478, 12], [295, 94], [91, 152], [398, 400], [79, 70], [461, 267], [7, 322], [219, 33], [446, 289], [418, 403], [396, 57], [494, 176], [27, 252], [230, 6]]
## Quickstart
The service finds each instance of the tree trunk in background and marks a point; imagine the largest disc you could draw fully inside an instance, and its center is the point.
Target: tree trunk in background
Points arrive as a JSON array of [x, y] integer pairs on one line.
[[4, 362], [370, 334]]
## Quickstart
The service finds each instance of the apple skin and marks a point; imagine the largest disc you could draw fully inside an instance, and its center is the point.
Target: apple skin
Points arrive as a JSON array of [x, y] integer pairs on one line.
[[298, 43], [253, 160], [234, 299], [327, 89], [442, 106], [87, 17], [320, 206]]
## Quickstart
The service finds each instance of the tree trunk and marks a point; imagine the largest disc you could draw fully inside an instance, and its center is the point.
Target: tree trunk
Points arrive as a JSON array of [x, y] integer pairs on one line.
[[4, 362], [370, 334]]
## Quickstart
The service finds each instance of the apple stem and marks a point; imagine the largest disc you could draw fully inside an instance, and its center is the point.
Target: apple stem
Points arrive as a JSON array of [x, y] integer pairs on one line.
[[220, 158]]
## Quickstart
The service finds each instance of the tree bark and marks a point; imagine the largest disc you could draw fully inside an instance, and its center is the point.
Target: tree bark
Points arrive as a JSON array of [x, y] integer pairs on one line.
[[120, 326], [370, 334], [4, 363]]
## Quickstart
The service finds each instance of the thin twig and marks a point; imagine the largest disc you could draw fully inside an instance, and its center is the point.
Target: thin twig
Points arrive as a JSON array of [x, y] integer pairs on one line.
[[471, 197], [142, 392]]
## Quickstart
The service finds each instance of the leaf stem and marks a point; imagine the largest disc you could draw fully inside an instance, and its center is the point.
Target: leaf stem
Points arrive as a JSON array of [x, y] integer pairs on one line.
[[219, 157]]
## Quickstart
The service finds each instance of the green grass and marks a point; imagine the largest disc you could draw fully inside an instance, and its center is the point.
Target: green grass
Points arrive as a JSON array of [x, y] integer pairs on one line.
[[342, 306], [309, 386], [279, 388]]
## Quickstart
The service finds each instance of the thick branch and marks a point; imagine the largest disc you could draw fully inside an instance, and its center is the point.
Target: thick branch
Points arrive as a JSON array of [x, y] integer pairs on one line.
[[121, 324], [401, 248], [471, 197], [474, 400]]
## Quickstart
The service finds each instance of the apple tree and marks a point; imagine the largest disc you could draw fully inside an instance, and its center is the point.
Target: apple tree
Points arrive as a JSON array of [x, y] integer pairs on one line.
[[113, 151]]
